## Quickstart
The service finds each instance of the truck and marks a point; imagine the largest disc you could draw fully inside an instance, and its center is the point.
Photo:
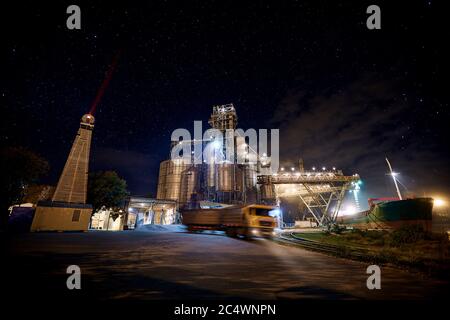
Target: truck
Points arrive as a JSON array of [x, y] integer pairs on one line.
[[246, 221]]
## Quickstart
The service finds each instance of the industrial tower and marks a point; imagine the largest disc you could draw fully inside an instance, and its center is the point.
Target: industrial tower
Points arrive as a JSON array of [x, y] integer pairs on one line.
[[72, 184], [68, 210]]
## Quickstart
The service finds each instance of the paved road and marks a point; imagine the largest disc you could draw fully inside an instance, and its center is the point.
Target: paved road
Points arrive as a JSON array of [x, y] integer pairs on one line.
[[178, 265]]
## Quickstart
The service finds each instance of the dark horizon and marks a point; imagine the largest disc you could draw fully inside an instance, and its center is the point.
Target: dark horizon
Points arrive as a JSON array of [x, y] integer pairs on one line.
[[341, 95]]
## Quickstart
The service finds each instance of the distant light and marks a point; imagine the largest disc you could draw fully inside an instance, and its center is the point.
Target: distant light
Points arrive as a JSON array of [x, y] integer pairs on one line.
[[314, 168], [264, 154], [394, 174], [439, 203], [323, 168], [334, 168], [292, 169], [282, 169]]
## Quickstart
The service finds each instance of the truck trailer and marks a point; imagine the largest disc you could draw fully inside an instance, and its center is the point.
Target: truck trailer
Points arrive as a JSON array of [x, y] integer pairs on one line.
[[241, 220]]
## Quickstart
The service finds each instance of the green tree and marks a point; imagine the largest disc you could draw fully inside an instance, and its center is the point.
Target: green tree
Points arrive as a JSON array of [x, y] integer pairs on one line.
[[19, 167], [106, 188]]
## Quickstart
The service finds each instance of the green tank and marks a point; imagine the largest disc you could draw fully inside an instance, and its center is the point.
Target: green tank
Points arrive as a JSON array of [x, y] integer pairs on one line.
[[392, 214]]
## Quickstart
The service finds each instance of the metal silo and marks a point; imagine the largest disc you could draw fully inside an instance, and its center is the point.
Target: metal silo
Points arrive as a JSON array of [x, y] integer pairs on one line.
[[225, 177], [239, 178], [170, 179], [161, 190], [211, 175], [250, 176], [189, 185], [268, 192]]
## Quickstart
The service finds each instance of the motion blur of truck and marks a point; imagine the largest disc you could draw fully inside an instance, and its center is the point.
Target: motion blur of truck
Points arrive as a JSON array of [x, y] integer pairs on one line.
[[244, 220]]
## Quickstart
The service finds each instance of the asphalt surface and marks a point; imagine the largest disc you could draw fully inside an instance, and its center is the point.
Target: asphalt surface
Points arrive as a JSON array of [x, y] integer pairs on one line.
[[143, 265]]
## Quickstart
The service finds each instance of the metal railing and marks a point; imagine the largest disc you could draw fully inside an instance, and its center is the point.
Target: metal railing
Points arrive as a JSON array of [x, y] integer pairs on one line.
[[286, 178]]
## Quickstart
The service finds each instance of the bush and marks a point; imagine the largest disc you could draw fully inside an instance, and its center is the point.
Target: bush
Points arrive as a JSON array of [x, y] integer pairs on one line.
[[335, 228], [354, 236], [407, 234], [374, 234]]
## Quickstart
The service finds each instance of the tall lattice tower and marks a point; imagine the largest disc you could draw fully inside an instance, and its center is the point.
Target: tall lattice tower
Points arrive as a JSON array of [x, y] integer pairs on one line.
[[72, 184], [223, 117], [68, 211]]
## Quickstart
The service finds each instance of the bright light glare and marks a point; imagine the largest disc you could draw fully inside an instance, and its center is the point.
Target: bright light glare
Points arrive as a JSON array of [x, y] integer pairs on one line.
[[349, 210], [394, 174], [274, 212], [439, 203]]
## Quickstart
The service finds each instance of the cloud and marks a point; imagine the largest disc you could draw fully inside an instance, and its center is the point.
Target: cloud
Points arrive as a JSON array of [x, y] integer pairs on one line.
[[354, 129]]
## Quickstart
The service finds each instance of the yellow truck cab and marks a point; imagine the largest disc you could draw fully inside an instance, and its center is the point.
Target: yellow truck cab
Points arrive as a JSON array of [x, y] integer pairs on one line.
[[260, 221]]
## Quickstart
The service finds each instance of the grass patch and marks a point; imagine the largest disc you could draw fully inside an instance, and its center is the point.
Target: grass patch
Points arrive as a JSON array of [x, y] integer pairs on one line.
[[409, 246]]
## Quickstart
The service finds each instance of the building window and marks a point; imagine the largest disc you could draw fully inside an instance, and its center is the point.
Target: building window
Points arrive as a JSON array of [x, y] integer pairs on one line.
[[76, 215]]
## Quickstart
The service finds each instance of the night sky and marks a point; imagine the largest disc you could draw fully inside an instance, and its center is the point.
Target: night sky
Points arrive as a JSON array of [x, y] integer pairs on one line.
[[341, 95]]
